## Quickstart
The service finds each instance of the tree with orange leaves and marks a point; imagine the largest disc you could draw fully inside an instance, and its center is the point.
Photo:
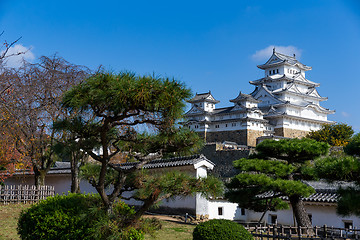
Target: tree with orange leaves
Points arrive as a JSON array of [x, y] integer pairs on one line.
[[31, 106]]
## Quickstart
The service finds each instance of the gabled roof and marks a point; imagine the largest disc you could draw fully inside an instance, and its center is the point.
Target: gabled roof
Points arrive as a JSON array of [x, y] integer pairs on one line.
[[244, 97], [258, 89], [203, 97], [313, 92], [325, 192], [298, 78], [281, 59], [292, 88], [173, 162], [238, 107], [195, 110], [196, 160]]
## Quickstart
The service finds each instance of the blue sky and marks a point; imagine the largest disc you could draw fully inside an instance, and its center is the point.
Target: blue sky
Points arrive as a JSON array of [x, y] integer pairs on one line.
[[209, 45]]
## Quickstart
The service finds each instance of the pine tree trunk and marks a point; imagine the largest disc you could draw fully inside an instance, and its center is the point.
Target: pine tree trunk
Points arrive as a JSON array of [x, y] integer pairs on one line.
[[146, 206], [300, 214], [75, 181]]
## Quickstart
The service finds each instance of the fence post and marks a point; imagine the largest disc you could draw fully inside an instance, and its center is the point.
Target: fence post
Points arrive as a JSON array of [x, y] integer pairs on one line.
[[325, 231], [274, 231], [24, 193], [299, 232]]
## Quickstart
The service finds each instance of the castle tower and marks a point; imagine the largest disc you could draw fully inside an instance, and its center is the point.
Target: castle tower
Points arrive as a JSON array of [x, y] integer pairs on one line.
[[289, 101], [241, 123]]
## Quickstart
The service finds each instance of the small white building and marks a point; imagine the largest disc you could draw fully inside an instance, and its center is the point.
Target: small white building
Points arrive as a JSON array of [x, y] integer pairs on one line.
[[321, 206], [197, 165]]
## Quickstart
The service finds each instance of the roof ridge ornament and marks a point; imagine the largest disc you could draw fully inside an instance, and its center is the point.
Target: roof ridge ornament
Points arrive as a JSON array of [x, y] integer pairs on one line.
[[274, 49]]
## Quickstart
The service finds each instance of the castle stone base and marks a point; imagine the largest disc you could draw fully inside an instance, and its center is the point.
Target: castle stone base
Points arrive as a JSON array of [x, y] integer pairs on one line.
[[290, 133], [242, 137]]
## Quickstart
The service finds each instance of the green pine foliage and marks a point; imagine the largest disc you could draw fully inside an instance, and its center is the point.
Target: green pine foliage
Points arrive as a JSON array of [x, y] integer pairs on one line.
[[344, 167], [338, 168], [157, 186], [349, 201], [353, 148], [274, 171], [138, 117], [221, 229]]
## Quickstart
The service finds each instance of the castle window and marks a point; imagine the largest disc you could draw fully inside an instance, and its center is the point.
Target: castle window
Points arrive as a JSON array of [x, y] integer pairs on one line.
[[225, 125], [220, 211], [242, 210], [277, 70], [233, 124], [273, 219], [348, 224], [217, 126]]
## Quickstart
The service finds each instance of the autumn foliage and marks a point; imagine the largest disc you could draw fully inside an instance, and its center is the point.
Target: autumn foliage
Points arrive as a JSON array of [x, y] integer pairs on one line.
[[338, 134]]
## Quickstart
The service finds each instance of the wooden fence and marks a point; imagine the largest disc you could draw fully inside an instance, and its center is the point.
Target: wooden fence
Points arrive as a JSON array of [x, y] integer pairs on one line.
[[24, 193], [287, 232]]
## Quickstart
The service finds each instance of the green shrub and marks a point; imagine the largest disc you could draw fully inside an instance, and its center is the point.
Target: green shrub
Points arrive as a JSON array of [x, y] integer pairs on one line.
[[59, 217], [220, 229], [76, 216]]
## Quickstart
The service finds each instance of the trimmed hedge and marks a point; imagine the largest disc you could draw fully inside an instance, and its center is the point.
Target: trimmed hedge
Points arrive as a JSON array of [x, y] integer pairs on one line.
[[221, 229]]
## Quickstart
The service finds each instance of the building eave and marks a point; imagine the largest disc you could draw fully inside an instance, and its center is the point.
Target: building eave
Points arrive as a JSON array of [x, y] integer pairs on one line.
[[284, 115]]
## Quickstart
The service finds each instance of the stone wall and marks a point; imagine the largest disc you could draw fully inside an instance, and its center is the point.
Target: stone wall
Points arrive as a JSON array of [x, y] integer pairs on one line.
[[241, 137], [252, 135], [223, 160], [290, 133]]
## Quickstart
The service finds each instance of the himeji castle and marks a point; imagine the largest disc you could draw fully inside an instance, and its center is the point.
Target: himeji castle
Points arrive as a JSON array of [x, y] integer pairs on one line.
[[284, 103]]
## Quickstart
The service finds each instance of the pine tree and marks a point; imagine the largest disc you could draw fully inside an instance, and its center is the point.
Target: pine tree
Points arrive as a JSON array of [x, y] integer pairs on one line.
[[345, 168], [275, 171], [137, 116]]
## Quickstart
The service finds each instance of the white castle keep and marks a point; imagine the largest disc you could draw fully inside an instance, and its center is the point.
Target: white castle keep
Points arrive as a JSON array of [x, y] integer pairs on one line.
[[284, 103]]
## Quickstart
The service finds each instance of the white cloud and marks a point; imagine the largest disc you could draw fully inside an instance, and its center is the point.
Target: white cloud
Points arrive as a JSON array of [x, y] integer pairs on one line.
[[264, 54], [16, 61], [345, 114]]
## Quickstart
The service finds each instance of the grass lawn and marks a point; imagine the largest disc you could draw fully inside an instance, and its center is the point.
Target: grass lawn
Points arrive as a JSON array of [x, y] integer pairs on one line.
[[9, 215], [173, 230], [8, 220]]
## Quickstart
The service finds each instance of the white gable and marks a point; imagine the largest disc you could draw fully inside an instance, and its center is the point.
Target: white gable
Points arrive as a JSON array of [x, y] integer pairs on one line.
[[266, 97], [194, 110], [237, 107]]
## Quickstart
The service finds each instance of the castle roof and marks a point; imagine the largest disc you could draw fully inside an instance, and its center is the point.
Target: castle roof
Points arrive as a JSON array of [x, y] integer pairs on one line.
[[203, 97], [171, 162], [324, 192], [244, 97], [292, 88], [297, 78], [277, 59]]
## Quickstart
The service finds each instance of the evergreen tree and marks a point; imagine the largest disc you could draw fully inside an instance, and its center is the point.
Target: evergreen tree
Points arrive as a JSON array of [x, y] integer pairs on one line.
[[344, 168], [136, 116], [275, 171], [353, 148]]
